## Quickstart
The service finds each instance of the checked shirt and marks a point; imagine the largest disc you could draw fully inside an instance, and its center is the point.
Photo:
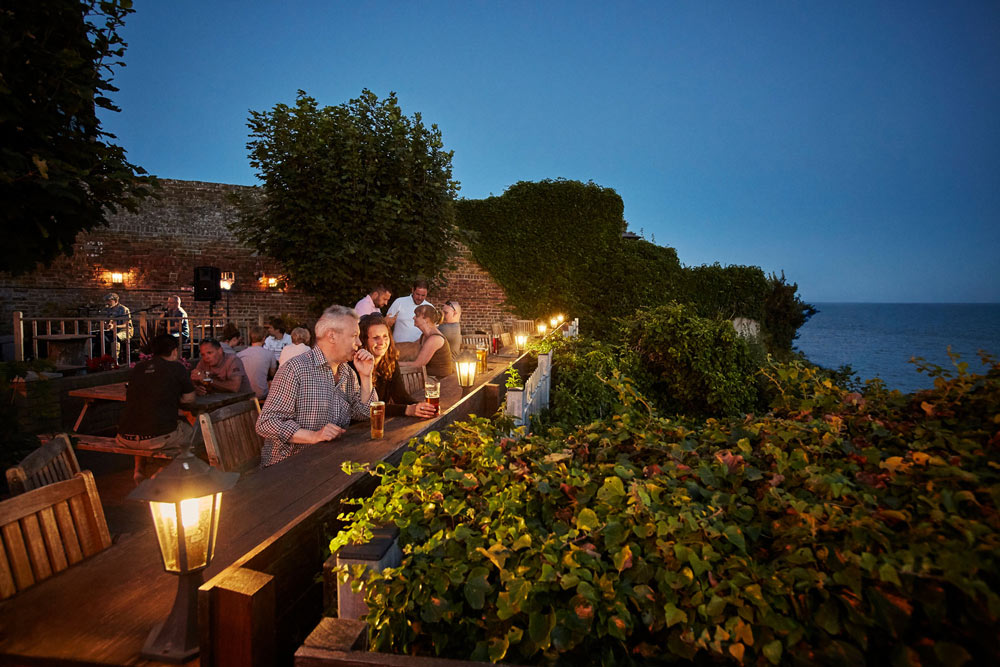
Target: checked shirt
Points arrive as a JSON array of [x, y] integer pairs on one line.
[[305, 395]]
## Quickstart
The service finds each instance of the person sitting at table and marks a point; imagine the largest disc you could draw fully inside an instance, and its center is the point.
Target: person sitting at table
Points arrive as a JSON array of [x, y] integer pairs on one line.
[[377, 339], [173, 326], [315, 395], [118, 327], [230, 340], [300, 344], [217, 371], [258, 363], [450, 328], [435, 353], [277, 338], [374, 301], [156, 389]]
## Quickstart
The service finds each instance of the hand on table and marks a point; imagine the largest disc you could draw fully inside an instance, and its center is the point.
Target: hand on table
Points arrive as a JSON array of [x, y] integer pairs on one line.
[[328, 432], [423, 410]]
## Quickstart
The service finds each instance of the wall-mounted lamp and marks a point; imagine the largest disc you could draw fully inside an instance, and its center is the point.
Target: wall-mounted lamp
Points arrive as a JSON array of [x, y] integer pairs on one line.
[[117, 278], [226, 281]]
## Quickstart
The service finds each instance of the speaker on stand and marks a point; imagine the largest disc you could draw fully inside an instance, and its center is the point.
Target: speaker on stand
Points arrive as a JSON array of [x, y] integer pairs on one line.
[[206, 288]]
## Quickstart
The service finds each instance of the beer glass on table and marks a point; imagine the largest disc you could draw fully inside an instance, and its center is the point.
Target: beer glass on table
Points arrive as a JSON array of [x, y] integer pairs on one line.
[[481, 354], [376, 413], [432, 393]]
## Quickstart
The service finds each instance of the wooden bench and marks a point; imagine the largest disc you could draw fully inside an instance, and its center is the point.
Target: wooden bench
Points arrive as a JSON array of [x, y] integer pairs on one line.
[[473, 341], [413, 379], [45, 530], [53, 462], [230, 434], [109, 445]]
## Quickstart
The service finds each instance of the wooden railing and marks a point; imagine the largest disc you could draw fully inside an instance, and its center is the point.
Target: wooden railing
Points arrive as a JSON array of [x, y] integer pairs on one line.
[[28, 329]]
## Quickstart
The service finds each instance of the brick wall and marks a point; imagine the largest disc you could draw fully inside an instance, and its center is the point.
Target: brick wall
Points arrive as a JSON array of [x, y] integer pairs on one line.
[[158, 248]]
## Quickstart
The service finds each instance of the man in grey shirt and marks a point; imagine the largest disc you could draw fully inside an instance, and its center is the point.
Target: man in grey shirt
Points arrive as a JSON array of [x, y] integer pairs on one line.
[[258, 362]]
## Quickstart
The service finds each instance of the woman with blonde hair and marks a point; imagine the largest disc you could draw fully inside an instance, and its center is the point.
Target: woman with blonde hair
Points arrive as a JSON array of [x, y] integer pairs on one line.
[[435, 353]]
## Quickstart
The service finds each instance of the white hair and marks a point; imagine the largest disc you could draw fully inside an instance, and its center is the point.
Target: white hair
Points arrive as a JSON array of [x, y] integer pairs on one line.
[[331, 319]]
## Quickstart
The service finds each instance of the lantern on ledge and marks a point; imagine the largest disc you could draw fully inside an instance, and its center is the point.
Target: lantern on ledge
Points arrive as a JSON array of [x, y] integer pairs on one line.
[[560, 318], [554, 322], [520, 341], [465, 368], [542, 328], [184, 499]]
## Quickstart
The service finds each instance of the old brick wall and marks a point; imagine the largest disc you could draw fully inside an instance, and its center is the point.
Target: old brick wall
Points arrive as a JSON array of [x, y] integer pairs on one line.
[[157, 249]]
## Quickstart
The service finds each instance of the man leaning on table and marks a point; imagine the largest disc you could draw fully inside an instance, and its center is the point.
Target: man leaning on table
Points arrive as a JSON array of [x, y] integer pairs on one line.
[[218, 371], [314, 396], [156, 389]]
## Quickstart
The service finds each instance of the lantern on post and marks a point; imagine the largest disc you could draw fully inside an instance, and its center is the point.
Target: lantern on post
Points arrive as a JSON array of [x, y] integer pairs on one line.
[[184, 499], [465, 368], [520, 341], [542, 328]]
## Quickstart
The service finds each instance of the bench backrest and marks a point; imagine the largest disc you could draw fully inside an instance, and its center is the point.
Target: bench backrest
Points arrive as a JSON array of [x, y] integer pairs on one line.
[[54, 461], [472, 341], [231, 439], [45, 530], [413, 379]]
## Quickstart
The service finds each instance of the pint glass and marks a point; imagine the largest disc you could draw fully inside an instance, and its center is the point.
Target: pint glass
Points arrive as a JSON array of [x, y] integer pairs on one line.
[[481, 353], [432, 393], [376, 415]]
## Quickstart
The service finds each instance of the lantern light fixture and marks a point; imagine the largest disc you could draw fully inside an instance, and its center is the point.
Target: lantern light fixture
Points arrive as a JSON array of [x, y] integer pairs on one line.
[[117, 278], [465, 368], [554, 322], [560, 318], [184, 499], [542, 328], [521, 341], [227, 280]]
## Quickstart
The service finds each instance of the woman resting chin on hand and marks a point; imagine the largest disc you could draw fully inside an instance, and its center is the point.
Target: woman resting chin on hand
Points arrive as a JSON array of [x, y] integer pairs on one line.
[[388, 383]]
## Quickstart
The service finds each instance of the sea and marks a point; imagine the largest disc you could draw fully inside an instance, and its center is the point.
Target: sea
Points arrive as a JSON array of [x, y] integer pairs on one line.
[[880, 339]]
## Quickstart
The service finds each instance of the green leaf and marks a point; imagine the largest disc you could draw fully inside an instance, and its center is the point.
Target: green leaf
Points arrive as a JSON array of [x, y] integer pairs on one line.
[[623, 558], [612, 491], [735, 536], [540, 627], [498, 648], [888, 573], [522, 542], [673, 615], [476, 587], [587, 520], [772, 651]]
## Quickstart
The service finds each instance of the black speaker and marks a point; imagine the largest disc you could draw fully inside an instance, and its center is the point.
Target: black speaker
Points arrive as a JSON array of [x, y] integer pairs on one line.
[[206, 283]]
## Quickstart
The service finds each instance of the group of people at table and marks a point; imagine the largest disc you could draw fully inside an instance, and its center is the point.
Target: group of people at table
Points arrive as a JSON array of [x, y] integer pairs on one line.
[[310, 394]]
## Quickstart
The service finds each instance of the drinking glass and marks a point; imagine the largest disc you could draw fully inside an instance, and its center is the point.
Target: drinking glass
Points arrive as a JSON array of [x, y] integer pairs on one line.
[[432, 393], [376, 413], [481, 354]]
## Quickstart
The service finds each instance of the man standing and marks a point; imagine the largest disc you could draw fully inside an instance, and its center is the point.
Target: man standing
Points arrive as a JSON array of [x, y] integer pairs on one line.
[[373, 302], [176, 326], [315, 395], [156, 388], [217, 371], [118, 327], [277, 338], [400, 316], [258, 362]]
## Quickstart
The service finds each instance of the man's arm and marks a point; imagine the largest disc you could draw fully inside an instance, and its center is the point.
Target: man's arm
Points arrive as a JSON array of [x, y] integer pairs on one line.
[[278, 418]]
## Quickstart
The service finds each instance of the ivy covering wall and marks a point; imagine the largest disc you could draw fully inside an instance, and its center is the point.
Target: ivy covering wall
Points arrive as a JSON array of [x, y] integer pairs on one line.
[[556, 245]]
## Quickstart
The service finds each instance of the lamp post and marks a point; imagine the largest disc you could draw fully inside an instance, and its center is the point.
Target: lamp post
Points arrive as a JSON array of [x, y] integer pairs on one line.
[[465, 368], [184, 499], [520, 340]]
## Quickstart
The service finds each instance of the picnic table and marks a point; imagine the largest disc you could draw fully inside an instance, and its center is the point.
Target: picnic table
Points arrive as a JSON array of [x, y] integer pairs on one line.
[[101, 610]]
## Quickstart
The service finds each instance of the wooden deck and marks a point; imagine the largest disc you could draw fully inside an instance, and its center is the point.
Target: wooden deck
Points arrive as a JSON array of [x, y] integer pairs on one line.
[[101, 610]]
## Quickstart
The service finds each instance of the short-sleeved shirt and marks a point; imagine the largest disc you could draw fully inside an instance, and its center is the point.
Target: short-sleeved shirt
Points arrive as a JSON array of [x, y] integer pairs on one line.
[[155, 387], [257, 362], [275, 345], [305, 395], [452, 331], [366, 306], [230, 367], [404, 331]]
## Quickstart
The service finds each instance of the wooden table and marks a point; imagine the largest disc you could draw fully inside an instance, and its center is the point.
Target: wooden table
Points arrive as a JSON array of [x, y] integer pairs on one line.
[[101, 610], [116, 392]]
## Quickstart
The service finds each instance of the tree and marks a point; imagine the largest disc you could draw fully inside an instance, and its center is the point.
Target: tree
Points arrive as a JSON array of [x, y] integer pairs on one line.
[[58, 175], [353, 195]]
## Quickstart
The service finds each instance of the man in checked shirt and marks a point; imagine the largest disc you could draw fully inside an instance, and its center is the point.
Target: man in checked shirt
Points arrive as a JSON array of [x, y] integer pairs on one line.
[[314, 396]]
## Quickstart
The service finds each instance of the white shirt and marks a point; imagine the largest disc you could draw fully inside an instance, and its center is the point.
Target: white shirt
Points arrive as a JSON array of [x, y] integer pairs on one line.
[[275, 345], [290, 351], [404, 331]]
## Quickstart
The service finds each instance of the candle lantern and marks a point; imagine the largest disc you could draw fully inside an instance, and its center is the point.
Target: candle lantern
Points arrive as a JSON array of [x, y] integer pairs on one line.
[[465, 368], [542, 328], [184, 499], [521, 341], [554, 322]]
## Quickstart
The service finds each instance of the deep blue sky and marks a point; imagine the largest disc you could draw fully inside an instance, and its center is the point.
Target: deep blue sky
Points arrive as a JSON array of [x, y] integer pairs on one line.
[[854, 145]]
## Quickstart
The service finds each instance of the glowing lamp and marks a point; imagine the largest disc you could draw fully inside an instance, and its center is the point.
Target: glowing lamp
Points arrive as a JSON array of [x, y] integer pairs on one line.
[[554, 322], [560, 318], [227, 280], [542, 328], [465, 368], [521, 341], [117, 278], [184, 499]]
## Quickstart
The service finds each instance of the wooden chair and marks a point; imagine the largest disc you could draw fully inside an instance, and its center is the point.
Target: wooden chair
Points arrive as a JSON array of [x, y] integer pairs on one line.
[[472, 341], [413, 379], [45, 530], [230, 434], [506, 339], [524, 327], [53, 462], [498, 328]]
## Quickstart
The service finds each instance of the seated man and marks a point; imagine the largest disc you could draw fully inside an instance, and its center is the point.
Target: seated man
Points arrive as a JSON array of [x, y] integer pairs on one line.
[[231, 339], [156, 389], [315, 395], [217, 371], [258, 363], [118, 327], [177, 327]]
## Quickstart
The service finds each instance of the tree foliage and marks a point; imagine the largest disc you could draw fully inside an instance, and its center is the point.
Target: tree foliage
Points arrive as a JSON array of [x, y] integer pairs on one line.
[[352, 195], [58, 174]]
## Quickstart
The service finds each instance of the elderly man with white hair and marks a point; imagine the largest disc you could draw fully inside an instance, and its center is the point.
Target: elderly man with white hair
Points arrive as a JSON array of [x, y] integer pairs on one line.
[[315, 395]]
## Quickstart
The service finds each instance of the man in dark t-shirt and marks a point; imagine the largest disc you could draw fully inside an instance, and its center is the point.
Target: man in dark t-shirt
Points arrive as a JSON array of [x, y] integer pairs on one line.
[[156, 389]]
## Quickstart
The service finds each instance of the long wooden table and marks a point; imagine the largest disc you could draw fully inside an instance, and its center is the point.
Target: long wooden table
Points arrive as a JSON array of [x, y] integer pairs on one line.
[[101, 610]]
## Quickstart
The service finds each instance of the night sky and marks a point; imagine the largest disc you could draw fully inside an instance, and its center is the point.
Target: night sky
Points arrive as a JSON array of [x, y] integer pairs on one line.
[[853, 145]]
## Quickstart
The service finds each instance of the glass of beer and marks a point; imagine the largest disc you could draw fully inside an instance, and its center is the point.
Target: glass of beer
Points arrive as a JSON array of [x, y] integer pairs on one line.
[[432, 393], [481, 353], [376, 414]]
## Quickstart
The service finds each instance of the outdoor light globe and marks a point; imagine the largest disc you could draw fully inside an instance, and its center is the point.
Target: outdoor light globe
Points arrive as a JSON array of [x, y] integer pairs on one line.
[[560, 318], [465, 368], [521, 340], [554, 322], [188, 543], [542, 328]]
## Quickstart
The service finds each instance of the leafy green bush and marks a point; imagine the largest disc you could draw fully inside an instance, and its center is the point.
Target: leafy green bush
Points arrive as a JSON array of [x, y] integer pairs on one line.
[[699, 366], [842, 528]]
